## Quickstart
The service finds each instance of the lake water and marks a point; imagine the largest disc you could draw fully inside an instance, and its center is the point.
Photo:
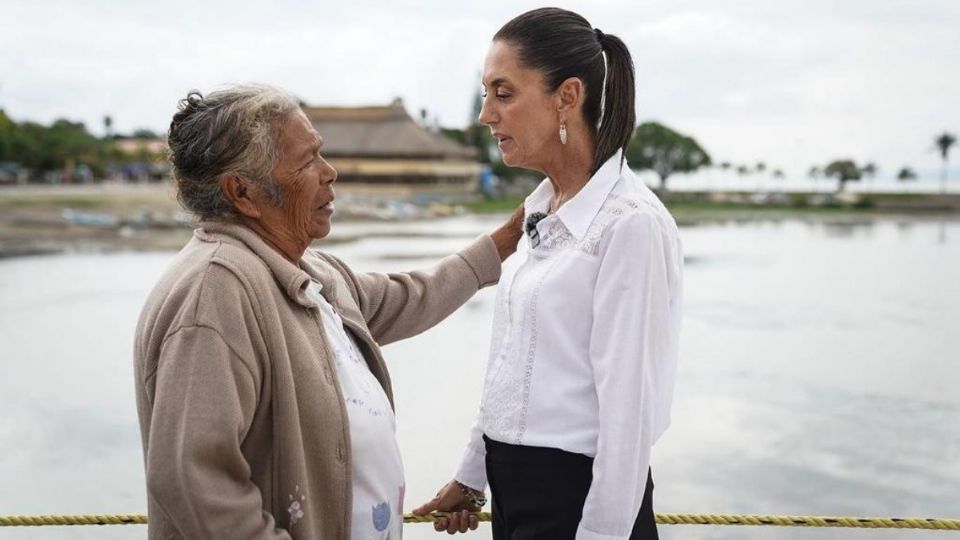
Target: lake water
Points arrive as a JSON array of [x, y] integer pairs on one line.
[[819, 376]]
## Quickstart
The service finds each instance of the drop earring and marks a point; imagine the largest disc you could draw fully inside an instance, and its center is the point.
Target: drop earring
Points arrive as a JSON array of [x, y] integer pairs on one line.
[[563, 132]]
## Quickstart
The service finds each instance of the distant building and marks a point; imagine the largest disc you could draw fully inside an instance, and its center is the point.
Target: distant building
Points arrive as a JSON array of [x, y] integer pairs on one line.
[[139, 159], [134, 146], [384, 145]]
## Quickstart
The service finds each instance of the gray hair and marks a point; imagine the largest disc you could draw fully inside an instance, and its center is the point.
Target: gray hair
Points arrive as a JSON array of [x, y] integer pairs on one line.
[[235, 130]]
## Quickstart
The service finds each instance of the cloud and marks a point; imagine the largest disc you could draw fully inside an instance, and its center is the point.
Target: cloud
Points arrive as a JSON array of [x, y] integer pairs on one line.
[[791, 83]]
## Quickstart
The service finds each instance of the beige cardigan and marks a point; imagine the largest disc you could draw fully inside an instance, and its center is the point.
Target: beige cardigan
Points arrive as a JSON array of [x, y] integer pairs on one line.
[[244, 429]]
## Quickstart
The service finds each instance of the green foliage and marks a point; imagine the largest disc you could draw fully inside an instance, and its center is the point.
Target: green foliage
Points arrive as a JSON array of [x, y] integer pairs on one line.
[[28, 145], [62, 144], [65, 145], [8, 134], [495, 206], [454, 134], [864, 203], [944, 142], [906, 174], [65, 142], [665, 151], [844, 170], [144, 133]]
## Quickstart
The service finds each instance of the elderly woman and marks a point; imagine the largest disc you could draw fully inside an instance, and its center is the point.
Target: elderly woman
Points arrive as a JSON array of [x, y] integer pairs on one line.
[[265, 405], [581, 370]]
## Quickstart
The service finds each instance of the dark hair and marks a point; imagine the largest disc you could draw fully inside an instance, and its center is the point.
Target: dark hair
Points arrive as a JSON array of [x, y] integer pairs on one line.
[[562, 44]]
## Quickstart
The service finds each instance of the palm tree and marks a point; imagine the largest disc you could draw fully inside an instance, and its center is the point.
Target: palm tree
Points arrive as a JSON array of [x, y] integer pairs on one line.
[[944, 141]]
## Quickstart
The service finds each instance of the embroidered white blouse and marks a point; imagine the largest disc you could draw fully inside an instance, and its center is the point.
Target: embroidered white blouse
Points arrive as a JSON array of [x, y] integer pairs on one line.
[[585, 337], [378, 483]]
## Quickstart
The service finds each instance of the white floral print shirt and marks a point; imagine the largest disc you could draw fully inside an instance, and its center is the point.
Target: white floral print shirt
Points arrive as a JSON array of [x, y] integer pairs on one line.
[[378, 481]]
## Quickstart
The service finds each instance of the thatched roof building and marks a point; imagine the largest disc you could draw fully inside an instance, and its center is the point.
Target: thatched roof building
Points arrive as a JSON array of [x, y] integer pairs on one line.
[[384, 145]]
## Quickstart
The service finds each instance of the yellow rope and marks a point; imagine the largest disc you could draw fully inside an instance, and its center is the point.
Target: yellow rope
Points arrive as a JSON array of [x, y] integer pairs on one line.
[[810, 521], [430, 518], [663, 519], [106, 519]]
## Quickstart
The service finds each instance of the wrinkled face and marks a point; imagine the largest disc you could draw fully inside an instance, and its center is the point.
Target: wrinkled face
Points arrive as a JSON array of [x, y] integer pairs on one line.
[[306, 182], [518, 109]]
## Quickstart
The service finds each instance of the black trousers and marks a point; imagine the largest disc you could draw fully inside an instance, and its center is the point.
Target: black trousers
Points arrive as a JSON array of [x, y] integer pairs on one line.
[[538, 493]]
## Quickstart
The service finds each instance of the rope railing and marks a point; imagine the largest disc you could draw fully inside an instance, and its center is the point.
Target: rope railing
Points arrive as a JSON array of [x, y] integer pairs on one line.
[[662, 519]]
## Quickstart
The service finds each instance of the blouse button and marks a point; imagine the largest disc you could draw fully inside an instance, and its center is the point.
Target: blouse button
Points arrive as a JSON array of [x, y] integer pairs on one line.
[[328, 375], [340, 453]]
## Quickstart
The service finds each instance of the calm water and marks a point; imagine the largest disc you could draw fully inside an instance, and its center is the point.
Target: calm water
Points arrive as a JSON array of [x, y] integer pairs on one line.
[[818, 377]]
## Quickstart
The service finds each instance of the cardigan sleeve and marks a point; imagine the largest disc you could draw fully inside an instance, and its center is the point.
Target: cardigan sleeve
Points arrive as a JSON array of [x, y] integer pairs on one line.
[[399, 305], [204, 401]]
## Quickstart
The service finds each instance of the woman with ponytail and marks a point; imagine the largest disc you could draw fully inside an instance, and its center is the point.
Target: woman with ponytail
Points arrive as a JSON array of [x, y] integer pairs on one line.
[[584, 349]]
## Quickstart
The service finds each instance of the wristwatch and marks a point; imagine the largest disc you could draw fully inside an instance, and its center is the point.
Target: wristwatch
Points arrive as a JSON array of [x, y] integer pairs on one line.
[[475, 497]]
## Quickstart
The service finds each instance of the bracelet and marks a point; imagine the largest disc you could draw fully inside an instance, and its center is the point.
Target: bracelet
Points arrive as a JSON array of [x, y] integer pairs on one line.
[[475, 497]]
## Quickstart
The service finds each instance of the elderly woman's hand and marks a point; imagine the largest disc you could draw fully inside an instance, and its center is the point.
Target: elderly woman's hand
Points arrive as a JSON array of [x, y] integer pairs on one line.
[[451, 498], [507, 235]]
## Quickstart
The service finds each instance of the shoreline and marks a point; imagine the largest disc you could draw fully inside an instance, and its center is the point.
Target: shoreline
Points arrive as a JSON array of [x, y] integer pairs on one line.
[[45, 220]]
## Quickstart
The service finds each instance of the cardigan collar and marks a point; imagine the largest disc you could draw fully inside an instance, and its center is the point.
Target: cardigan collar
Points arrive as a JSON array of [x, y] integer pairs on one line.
[[292, 278]]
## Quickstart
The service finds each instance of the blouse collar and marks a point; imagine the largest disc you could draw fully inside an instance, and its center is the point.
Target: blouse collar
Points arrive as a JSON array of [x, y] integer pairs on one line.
[[577, 214]]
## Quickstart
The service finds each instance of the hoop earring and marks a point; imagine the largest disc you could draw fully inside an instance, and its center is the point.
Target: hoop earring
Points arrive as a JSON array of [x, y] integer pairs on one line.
[[563, 132]]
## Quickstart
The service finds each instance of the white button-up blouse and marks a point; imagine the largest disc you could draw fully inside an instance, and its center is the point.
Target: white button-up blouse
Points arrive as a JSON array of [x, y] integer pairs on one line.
[[585, 336]]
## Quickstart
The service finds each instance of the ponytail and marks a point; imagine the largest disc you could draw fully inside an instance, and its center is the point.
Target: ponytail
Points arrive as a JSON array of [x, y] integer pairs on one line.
[[617, 114]]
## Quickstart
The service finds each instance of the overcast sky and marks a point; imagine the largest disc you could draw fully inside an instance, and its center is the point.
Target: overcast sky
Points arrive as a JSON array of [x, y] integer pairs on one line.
[[792, 83]]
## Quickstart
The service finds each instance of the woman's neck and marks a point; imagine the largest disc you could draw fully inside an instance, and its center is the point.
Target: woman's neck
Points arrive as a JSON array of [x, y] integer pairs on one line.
[[283, 242], [570, 171]]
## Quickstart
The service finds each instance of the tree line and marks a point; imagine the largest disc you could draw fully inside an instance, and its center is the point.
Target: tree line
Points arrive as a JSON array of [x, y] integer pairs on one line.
[[66, 145], [664, 151]]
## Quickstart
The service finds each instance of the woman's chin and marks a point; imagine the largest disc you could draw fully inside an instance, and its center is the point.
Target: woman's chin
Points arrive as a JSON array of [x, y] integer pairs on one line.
[[320, 228]]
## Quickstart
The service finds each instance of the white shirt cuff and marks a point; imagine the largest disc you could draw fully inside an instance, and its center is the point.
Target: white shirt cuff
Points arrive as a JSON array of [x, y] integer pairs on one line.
[[473, 470]]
